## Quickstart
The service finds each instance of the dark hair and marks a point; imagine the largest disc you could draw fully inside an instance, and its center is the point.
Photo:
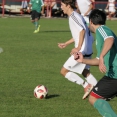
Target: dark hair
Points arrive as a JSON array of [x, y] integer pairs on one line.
[[97, 17], [72, 3]]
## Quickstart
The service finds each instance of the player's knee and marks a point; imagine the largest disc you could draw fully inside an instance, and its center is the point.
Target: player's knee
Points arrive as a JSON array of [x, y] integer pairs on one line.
[[63, 71], [85, 72], [92, 100]]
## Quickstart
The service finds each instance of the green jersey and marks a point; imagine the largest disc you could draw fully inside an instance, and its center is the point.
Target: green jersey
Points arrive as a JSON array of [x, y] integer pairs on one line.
[[36, 5], [110, 59]]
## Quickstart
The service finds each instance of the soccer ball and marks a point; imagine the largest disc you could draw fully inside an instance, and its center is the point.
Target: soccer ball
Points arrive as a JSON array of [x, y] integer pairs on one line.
[[40, 91]]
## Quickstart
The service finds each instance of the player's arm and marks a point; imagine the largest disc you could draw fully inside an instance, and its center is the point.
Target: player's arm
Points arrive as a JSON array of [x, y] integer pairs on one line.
[[92, 62], [90, 8], [79, 57], [108, 43], [63, 45], [30, 5], [42, 6], [42, 11], [107, 6], [81, 39]]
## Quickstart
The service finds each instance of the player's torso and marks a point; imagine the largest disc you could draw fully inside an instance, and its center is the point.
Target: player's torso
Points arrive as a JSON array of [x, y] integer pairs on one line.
[[111, 6], [77, 24], [111, 3], [110, 59], [83, 5], [36, 5]]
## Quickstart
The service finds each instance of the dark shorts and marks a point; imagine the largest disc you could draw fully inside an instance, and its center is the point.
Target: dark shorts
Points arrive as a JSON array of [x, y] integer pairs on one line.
[[35, 15], [106, 88]]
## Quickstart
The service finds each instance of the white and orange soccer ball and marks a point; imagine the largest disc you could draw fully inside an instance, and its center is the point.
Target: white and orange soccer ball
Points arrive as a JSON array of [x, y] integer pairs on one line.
[[40, 92]]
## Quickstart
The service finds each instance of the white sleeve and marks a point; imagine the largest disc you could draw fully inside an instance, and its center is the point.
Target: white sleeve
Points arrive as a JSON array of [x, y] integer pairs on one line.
[[42, 3], [30, 2]]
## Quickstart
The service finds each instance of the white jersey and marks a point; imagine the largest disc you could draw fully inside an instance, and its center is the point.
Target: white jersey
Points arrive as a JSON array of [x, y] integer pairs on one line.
[[77, 24], [111, 5], [83, 5]]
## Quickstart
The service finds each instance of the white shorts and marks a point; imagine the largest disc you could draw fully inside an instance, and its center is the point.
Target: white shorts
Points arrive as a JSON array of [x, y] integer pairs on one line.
[[111, 9], [74, 66]]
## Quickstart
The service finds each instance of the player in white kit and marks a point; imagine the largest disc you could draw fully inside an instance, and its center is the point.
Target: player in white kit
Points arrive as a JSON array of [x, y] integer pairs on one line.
[[83, 40], [111, 8], [85, 7]]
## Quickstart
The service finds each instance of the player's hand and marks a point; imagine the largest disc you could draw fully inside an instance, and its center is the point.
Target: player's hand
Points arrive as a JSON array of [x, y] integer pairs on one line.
[[62, 45], [85, 14], [78, 56], [102, 67], [74, 50]]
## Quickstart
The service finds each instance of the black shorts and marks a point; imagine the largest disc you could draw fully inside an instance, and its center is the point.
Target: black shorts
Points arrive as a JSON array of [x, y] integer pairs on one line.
[[35, 15], [106, 88]]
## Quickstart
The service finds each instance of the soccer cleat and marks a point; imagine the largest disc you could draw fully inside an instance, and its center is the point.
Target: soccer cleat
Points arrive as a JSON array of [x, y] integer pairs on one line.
[[36, 31], [38, 28], [88, 89]]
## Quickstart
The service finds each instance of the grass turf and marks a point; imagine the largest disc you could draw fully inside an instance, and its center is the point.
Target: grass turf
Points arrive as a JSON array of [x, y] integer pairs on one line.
[[30, 59]]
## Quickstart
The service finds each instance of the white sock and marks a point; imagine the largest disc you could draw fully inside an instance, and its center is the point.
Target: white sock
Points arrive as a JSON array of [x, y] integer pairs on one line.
[[84, 84], [91, 80], [75, 78]]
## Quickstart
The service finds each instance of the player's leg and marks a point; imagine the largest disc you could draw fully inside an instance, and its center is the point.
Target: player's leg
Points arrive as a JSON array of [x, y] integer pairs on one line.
[[33, 19], [69, 70], [52, 4], [48, 5], [109, 15], [102, 106], [37, 17], [105, 88], [45, 7], [89, 77], [91, 82], [73, 77], [112, 14], [51, 7]]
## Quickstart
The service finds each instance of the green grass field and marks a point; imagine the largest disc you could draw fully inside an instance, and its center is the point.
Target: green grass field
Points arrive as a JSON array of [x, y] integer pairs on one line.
[[30, 59]]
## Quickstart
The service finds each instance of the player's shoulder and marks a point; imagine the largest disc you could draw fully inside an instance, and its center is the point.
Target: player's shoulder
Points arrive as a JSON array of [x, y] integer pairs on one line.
[[75, 14], [103, 28], [104, 31]]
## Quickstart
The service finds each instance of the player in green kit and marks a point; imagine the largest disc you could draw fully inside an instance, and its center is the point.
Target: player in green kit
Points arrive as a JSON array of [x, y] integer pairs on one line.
[[36, 12], [106, 59]]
